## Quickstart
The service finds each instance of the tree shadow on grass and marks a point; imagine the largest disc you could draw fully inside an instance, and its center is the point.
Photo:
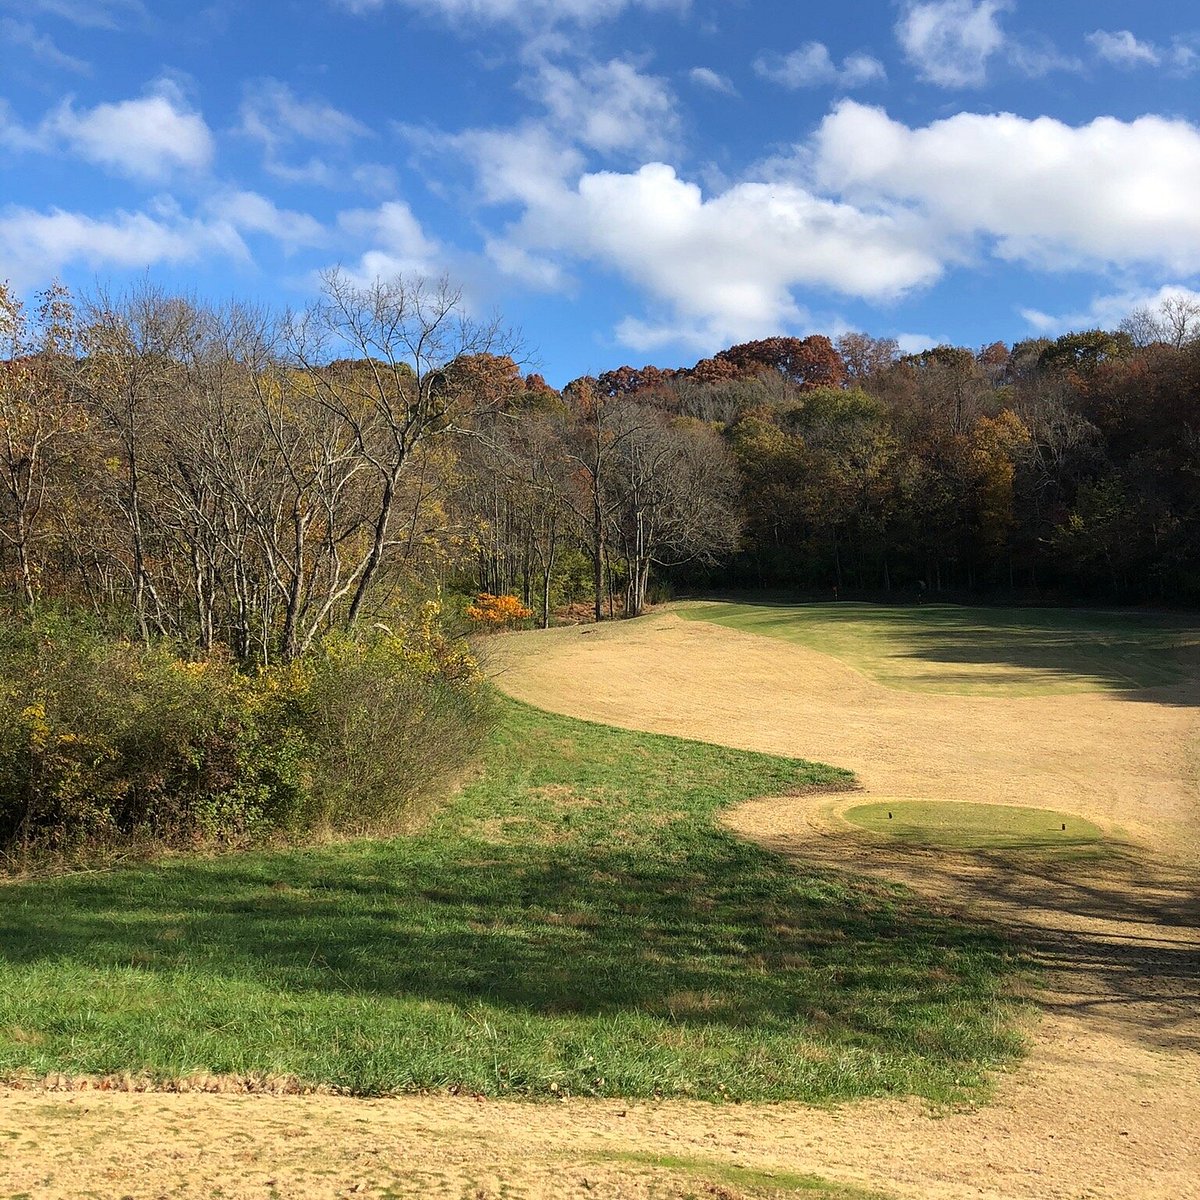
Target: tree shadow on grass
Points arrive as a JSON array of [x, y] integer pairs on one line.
[[1138, 656], [712, 930], [1118, 937]]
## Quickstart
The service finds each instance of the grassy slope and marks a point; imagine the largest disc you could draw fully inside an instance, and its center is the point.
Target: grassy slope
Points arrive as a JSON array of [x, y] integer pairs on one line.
[[1001, 651], [574, 921]]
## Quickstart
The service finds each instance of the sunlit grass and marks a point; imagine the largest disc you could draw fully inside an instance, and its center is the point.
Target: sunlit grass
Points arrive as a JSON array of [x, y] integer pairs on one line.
[[1003, 651], [575, 922], [956, 826], [750, 1183]]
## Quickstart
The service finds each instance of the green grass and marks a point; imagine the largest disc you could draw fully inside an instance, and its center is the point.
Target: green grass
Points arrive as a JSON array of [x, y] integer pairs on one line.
[[748, 1181], [954, 826], [574, 923], [1003, 651]]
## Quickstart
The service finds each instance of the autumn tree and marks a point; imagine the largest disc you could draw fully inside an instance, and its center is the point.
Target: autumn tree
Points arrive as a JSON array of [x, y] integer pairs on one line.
[[42, 423], [405, 383]]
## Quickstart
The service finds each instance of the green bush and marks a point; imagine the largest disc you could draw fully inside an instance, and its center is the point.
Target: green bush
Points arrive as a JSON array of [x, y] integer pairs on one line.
[[391, 721], [102, 741]]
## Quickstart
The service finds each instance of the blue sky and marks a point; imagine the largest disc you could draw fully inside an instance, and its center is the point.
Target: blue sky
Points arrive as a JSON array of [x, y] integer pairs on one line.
[[626, 180]]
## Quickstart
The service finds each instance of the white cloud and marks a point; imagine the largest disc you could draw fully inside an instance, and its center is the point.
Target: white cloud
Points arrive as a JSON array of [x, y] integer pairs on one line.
[[869, 208], [874, 209], [23, 37], [274, 115], [251, 212], [146, 138], [13, 134], [916, 343], [525, 14], [949, 42], [706, 77], [610, 107], [1108, 311], [397, 245], [812, 66], [723, 266], [1055, 196], [533, 270], [90, 14], [375, 178], [1122, 49], [34, 246], [1037, 56], [527, 164]]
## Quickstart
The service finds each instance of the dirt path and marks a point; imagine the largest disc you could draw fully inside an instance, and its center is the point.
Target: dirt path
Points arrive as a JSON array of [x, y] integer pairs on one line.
[[1105, 1106]]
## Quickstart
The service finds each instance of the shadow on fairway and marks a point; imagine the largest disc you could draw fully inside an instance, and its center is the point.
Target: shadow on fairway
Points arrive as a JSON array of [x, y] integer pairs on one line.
[[1119, 938], [1139, 656]]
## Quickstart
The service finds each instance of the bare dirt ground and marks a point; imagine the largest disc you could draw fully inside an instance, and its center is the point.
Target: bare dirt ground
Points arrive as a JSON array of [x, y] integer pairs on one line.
[[1105, 1105]]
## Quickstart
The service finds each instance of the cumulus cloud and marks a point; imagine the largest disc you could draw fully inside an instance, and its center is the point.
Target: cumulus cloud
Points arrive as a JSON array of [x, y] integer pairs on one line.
[[722, 266], [610, 107], [1055, 196], [950, 42], [146, 138], [35, 246], [870, 208], [812, 66], [714, 81]]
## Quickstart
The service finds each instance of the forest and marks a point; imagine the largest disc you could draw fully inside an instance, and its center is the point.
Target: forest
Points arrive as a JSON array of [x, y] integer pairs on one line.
[[226, 475]]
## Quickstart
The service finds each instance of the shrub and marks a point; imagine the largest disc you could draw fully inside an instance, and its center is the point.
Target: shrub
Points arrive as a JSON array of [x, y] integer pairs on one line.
[[494, 612], [102, 741], [391, 721]]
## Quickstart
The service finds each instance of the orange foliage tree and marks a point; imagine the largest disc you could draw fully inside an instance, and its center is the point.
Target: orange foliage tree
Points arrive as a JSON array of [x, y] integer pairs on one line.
[[494, 612]]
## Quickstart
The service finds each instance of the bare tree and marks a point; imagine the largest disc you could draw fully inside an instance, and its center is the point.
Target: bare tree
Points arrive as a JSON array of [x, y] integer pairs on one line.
[[1174, 322], [679, 503], [600, 426], [390, 388]]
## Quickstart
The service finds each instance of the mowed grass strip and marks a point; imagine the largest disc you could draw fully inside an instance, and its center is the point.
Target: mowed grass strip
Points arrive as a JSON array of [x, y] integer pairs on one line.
[[749, 1182], [967, 650], [951, 825], [574, 922]]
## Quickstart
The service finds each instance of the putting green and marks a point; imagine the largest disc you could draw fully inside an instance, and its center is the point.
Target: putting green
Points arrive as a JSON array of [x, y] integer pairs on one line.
[[957, 826]]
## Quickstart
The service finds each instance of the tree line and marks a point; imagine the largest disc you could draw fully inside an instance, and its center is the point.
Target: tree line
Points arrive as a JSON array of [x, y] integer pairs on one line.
[[227, 475], [1056, 469], [231, 476]]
